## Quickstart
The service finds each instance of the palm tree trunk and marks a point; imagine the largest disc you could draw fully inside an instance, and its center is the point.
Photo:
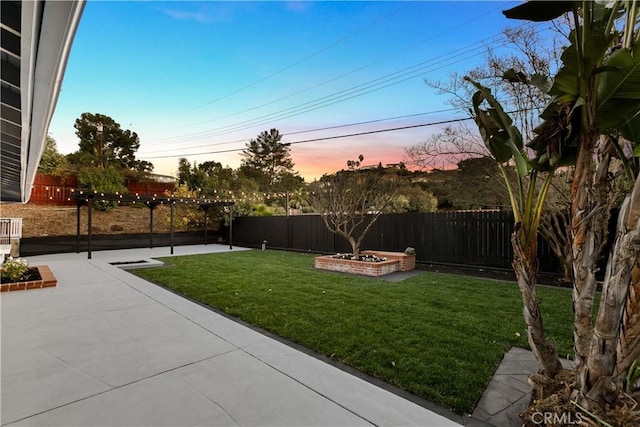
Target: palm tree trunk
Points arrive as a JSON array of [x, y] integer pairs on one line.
[[600, 369], [589, 218], [628, 348], [554, 227], [526, 270]]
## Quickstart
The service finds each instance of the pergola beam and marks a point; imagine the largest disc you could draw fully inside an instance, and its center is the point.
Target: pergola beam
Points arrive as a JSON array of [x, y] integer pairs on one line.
[[82, 196]]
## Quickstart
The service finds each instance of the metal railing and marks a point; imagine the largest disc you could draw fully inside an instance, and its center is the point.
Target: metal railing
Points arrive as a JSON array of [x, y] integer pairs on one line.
[[10, 228]]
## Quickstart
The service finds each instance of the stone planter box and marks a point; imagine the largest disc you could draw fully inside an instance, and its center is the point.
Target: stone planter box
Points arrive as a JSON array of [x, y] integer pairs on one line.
[[47, 280], [396, 261]]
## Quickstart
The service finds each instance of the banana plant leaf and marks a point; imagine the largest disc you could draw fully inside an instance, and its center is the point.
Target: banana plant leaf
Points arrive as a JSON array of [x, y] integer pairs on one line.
[[540, 81], [540, 11], [631, 132], [618, 91], [502, 139]]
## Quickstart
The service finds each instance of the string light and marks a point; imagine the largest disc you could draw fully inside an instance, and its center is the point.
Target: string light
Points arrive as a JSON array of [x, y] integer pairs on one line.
[[72, 194]]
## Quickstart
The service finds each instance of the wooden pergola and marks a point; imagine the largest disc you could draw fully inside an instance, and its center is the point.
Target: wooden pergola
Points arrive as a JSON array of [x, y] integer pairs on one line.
[[151, 201]]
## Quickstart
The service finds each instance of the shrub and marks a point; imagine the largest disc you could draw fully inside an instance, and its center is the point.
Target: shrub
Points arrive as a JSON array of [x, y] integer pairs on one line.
[[13, 270], [186, 216], [108, 180]]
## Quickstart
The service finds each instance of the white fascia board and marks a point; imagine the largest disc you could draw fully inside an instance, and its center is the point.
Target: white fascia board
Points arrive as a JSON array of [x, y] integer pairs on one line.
[[30, 28], [50, 41]]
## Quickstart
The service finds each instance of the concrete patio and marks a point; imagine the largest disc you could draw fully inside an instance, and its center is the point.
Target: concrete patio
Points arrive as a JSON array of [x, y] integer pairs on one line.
[[105, 348]]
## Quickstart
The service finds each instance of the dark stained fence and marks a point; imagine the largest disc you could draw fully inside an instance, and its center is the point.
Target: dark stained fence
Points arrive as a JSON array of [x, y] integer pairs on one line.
[[60, 244], [474, 238], [480, 239], [462, 238]]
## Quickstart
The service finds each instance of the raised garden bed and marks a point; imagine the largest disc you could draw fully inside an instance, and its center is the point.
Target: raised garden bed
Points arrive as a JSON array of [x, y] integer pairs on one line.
[[47, 279], [385, 263]]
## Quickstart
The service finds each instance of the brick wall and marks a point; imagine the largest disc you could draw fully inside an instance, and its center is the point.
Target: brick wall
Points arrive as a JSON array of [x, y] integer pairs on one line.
[[396, 261], [356, 267], [407, 262]]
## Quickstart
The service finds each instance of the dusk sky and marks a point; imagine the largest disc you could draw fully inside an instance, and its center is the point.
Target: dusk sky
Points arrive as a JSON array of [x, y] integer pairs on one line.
[[200, 79]]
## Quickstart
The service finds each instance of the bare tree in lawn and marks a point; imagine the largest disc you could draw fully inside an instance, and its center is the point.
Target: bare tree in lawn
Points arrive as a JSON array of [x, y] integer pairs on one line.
[[351, 201]]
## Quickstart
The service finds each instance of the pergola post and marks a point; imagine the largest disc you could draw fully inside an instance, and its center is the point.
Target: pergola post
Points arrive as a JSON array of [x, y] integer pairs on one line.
[[151, 202], [150, 225], [78, 204], [230, 226], [89, 209], [171, 203]]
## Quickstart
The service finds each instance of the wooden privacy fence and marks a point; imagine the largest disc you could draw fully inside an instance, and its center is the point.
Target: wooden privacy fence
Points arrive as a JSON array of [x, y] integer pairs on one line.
[[480, 238], [59, 191]]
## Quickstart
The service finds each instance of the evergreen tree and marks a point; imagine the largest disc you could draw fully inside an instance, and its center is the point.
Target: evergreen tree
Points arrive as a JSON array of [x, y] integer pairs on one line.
[[51, 159], [104, 143], [267, 160]]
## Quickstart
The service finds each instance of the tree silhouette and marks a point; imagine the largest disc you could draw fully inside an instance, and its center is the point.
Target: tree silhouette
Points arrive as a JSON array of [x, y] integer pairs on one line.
[[266, 159]]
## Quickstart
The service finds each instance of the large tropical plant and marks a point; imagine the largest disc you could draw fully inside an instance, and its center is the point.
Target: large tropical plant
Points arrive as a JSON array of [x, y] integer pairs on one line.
[[504, 142], [593, 109]]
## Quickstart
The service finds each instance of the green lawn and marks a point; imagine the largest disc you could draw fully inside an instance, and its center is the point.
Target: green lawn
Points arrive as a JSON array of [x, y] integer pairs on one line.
[[439, 336]]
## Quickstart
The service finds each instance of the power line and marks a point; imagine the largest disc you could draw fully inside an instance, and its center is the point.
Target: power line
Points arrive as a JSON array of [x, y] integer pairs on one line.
[[462, 24], [282, 70], [327, 138], [406, 116], [326, 101], [343, 95], [334, 98], [231, 150]]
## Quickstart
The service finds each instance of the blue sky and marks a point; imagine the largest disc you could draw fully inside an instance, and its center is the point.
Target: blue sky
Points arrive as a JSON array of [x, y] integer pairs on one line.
[[206, 77]]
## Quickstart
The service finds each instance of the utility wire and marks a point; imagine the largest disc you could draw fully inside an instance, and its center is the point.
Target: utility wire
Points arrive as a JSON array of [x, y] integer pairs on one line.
[[231, 150], [496, 38], [348, 95], [327, 138], [340, 96], [462, 24], [282, 70], [343, 95], [366, 122]]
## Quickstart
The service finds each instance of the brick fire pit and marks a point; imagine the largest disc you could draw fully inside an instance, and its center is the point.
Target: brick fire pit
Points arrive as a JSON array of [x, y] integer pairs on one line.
[[396, 261]]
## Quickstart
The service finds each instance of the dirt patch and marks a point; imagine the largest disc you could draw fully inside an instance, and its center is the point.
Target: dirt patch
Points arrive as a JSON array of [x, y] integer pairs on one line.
[[40, 221]]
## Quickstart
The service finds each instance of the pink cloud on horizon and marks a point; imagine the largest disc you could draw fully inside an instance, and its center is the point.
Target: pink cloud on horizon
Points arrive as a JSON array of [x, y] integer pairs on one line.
[[313, 159]]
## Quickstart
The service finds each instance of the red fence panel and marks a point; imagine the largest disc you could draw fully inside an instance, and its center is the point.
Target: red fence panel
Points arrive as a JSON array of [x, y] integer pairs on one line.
[[58, 191], [149, 188], [53, 190]]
